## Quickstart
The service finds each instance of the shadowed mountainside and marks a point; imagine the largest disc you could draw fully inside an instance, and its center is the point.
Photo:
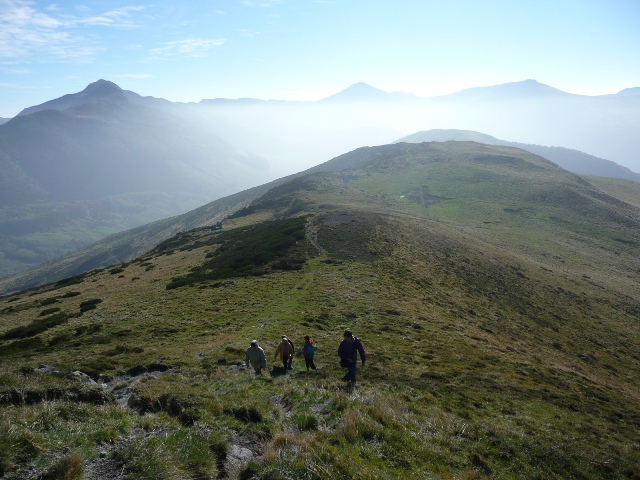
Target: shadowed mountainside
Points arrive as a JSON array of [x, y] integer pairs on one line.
[[109, 142], [81, 167]]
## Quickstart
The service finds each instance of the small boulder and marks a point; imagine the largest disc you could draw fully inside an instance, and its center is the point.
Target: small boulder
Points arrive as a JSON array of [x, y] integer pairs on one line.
[[85, 377]]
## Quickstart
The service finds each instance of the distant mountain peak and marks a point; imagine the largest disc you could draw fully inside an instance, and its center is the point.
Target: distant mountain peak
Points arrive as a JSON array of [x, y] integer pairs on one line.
[[101, 87], [362, 86], [363, 92], [358, 91], [629, 91], [536, 86], [508, 91], [99, 91]]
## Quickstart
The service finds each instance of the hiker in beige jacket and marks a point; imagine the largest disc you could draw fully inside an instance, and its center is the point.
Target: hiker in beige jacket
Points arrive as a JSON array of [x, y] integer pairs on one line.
[[285, 351], [255, 357]]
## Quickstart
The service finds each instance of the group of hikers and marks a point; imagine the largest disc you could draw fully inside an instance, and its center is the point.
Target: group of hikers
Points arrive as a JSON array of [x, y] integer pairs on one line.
[[348, 351]]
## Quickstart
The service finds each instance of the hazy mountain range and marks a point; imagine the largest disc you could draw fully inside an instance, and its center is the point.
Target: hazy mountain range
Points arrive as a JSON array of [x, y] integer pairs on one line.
[[78, 168], [304, 134], [105, 141], [496, 295]]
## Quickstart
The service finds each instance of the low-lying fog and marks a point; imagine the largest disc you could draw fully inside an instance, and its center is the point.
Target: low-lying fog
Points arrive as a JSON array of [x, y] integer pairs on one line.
[[293, 136]]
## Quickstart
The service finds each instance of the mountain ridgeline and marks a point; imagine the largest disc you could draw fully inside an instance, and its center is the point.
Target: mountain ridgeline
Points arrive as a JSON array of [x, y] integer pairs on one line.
[[78, 168], [569, 159], [496, 295], [465, 192], [105, 141]]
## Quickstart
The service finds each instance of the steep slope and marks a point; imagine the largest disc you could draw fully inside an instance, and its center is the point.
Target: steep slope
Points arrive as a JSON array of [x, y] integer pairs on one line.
[[573, 160], [129, 244], [495, 293]]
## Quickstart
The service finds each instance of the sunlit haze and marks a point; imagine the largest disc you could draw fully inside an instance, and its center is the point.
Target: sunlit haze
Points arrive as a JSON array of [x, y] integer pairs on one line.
[[310, 49]]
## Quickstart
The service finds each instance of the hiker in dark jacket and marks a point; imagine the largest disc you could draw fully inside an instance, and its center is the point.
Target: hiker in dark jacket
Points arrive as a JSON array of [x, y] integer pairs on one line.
[[348, 353]]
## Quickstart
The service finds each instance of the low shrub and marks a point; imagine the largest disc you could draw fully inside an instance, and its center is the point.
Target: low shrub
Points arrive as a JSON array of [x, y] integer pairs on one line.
[[305, 421], [180, 454], [67, 468], [89, 304], [35, 327], [70, 294], [251, 251]]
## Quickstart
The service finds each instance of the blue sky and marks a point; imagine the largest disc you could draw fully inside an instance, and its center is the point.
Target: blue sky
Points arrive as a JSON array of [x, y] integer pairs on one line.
[[309, 49]]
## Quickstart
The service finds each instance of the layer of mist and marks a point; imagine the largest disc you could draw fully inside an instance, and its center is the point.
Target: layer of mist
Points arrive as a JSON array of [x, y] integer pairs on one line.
[[297, 135]]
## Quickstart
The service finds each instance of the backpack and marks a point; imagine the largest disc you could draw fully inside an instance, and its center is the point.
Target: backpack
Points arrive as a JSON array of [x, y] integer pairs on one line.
[[287, 351], [308, 350]]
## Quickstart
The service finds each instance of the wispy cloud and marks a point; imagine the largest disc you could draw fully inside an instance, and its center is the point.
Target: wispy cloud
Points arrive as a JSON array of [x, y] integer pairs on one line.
[[192, 47], [247, 33], [135, 75], [18, 86], [29, 31], [120, 17], [17, 71]]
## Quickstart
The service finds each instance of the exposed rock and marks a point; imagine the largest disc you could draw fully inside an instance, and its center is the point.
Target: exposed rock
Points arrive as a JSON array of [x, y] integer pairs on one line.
[[85, 377], [237, 457], [46, 369], [239, 454]]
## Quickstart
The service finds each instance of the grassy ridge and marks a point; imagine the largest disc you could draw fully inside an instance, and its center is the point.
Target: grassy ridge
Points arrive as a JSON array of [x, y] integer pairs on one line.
[[483, 361]]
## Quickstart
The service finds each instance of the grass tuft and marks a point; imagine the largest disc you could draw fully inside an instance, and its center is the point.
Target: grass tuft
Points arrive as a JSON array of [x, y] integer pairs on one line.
[[68, 468]]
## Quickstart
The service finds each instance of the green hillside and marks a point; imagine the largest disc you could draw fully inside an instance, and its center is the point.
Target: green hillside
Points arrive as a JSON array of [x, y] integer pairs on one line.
[[573, 160], [495, 293]]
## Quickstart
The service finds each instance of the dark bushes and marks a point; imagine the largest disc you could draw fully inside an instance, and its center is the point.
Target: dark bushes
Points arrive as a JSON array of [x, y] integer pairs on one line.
[[256, 250], [245, 414], [89, 304], [35, 327]]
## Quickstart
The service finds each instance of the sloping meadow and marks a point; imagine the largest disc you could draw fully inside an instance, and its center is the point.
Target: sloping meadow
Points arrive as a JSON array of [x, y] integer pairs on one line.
[[483, 362]]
